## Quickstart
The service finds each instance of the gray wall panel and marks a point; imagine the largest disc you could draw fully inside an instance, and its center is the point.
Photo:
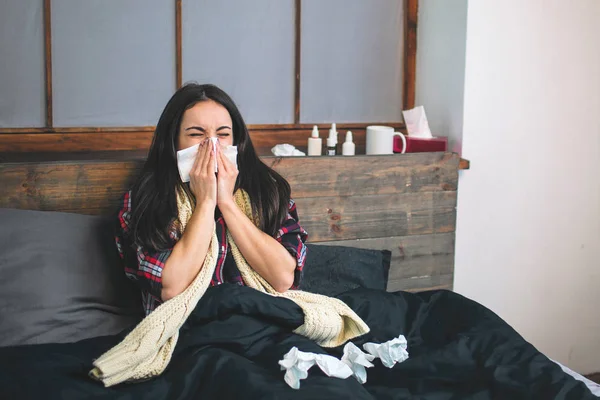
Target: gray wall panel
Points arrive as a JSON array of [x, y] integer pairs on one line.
[[247, 49], [113, 61], [22, 85], [351, 61]]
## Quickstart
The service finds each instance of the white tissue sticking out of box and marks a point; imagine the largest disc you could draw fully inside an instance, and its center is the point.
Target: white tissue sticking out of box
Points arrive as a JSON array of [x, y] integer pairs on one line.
[[296, 364], [187, 157], [416, 123], [283, 150], [391, 352], [358, 361]]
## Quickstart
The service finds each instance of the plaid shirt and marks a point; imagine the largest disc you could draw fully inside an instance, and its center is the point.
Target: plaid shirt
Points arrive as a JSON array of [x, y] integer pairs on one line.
[[144, 266]]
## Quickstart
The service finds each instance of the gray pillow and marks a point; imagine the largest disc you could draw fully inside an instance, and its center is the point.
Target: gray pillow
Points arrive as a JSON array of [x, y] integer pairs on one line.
[[61, 279], [331, 270]]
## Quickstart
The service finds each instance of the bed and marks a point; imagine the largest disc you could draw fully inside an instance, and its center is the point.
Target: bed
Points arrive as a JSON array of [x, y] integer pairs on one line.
[[381, 238]]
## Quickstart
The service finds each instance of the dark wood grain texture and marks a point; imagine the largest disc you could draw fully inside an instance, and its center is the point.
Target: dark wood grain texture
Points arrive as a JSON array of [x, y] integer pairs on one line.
[[251, 127], [48, 61], [594, 377], [404, 203], [72, 139], [359, 217], [369, 175], [418, 262], [178, 46], [75, 142], [57, 182], [297, 59], [464, 164], [411, 16]]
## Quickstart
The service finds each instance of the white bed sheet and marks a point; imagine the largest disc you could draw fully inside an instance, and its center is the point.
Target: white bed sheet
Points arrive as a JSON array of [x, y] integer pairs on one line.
[[593, 386]]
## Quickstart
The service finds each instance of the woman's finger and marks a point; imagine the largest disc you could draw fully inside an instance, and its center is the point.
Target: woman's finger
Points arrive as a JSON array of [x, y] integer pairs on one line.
[[210, 159], [222, 168], [206, 158], [197, 159]]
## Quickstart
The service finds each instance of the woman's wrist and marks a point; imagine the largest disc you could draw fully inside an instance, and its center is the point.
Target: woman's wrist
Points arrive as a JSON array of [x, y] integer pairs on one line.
[[205, 207], [227, 204]]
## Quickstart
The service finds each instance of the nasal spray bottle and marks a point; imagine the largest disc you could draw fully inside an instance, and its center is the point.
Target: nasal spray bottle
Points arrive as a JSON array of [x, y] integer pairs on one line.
[[315, 143], [332, 141], [348, 148]]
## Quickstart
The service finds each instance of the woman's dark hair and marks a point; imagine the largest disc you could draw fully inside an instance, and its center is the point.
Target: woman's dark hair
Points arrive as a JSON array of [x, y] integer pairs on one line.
[[154, 198]]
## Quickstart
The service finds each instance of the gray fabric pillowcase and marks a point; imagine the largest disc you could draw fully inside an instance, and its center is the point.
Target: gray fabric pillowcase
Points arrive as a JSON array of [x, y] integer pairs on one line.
[[61, 279], [331, 270]]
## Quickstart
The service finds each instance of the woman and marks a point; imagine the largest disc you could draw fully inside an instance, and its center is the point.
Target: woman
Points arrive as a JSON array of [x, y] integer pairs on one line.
[[161, 258]]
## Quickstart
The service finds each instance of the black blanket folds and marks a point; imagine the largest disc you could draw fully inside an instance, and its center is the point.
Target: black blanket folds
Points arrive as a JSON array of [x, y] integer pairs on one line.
[[230, 347]]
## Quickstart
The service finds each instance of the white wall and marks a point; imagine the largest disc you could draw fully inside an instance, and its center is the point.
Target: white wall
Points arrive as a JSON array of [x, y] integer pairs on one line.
[[528, 233], [440, 78]]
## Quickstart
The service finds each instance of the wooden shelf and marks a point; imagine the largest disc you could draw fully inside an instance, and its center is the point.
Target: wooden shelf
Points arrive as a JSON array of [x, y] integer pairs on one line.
[[114, 155]]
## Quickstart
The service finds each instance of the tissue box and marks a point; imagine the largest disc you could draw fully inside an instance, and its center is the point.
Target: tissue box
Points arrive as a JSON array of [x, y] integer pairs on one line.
[[421, 145]]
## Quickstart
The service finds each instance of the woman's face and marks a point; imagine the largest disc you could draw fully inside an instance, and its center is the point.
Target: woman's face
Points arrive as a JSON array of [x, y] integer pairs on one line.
[[204, 120]]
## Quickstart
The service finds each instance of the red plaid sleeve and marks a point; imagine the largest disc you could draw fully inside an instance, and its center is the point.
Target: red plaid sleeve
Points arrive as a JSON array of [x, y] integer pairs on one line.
[[292, 236], [142, 266]]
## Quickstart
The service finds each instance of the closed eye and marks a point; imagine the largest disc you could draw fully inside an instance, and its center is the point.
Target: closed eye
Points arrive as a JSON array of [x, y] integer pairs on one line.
[[196, 128]]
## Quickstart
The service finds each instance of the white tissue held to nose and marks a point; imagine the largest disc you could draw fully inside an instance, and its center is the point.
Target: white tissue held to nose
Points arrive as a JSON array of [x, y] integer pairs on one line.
[[187, 157]]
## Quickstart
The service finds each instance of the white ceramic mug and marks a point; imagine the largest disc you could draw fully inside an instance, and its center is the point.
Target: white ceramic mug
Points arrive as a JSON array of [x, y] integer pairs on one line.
[[380, 140]]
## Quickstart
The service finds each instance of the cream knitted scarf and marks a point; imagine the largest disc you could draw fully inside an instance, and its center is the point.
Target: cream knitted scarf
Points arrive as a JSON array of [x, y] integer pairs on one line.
[[147, 349]]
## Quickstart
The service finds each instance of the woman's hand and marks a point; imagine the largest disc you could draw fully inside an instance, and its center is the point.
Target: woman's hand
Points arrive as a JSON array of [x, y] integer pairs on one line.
[[203, 182], [226, 177]]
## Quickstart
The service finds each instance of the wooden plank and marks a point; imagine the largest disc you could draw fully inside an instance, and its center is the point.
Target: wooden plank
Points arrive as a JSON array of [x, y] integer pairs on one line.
[[422, 259], [178, 46], [422, 284], [357, 217], [81, 129], [411, 14], [116, 155], [93, 188], [323, 126], [412, 256], [417, 226], [264, 140], [464, 164], [366, 175], [48, 61], [251, 127], [264, 137], [49, 142], [52, 185], [297, 55], [595, 377], [130, 139]]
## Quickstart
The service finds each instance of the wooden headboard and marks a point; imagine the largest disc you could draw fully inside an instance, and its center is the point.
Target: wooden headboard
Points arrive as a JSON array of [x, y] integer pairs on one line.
[[404, 203]]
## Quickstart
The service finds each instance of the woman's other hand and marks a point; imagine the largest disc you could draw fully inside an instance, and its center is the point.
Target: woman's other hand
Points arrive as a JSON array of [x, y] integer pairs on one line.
[[226, 178], [203, 182]]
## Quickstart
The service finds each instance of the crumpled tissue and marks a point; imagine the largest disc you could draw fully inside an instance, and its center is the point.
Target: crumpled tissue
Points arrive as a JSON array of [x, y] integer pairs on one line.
[[186, 158], [390, 352], [358, 361], [282, 150], [296, 364], [416, 123]]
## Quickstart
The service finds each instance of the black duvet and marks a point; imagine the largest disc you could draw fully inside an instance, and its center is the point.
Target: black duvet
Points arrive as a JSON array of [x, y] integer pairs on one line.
[[230, 346]]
